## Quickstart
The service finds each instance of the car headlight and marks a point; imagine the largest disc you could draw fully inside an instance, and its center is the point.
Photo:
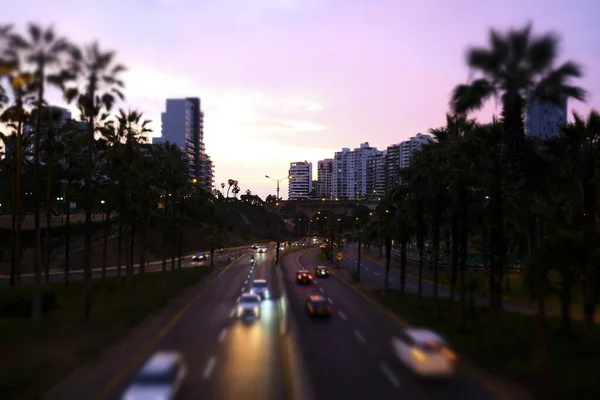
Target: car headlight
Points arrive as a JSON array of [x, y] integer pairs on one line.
[[256, 310], [266, 292]]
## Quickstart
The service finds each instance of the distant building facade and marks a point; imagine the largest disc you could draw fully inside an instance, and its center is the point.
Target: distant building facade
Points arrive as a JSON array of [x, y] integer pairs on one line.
[[544, 119], [300, 181], [325, 178], [183, 125]]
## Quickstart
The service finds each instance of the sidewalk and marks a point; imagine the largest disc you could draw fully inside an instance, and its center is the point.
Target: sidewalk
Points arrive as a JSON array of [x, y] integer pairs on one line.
[[509, 304]]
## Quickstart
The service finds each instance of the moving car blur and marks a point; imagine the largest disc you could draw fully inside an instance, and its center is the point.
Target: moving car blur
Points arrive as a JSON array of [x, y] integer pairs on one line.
[[203, 256], [322, 271], [259, 287], [425, 353], [262, 249], [159, 378], [248, 305], [303, 276], [316, 305]]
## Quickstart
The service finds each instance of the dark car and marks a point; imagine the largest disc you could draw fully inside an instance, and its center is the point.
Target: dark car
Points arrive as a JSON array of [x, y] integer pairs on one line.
[[316, 305], [201, 257], [322, 272], [303, 276]]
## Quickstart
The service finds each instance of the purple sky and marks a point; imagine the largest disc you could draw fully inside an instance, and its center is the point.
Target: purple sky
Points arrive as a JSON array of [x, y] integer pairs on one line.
[[294, 80]]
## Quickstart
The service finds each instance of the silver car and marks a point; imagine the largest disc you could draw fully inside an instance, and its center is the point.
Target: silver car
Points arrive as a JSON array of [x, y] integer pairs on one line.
[[262, 249], [160, 378], [259, 287], [248, 305]]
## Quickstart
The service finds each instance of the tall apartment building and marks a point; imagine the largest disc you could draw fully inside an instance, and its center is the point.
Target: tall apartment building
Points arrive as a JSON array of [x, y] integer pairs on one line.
[[376, 175], [350, 172], [392, 167], [544, 119], [410, 146], [325, 178], [183, 124], [300, 184]]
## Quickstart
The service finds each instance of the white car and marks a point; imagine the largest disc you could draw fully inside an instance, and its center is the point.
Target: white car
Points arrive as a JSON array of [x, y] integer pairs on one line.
[[248, 305], [160, 377], [262, 249], [259, 287], [425, 353]]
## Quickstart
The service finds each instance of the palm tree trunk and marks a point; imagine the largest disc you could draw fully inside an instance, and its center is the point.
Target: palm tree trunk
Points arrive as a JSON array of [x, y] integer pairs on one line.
[[68, 233], [565, 305], [180, 241], [358, 260], [105, 244], [388, 259], [131, 262], [463, 240], [144, 242], [13, 228], [18, 194], [48, 211], [589, 236], [420, 246], [498, 250], [436, 256], [212, 255], [165, 232], [173, 234], [454, 256], [403, 264], [36, 311], [119, 250]]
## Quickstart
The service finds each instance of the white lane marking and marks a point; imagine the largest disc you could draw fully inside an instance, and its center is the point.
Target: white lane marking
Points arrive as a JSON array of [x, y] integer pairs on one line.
[[210, 365], [246, 282], [315, 282], [389, 374], [376, 273], [342, 315], [242, 290], [322, 290], [232, 313], [248, 275], [390, 279], [360, 337], [329, 300], [367, 269], [222, 335]]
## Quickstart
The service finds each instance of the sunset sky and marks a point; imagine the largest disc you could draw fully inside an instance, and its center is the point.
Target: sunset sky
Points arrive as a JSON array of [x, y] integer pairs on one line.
[[294, 80]]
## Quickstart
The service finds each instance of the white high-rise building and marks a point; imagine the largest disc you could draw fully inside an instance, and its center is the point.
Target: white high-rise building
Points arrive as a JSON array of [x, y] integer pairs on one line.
[[410, 146], [350, 169], [325, 178], [300, 184], [376, 175], [544, 119]]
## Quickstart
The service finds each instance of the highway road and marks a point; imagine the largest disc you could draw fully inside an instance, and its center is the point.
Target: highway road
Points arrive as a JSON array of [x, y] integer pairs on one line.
[[77, 274], [374, 273], [226, 358], [350, 355]]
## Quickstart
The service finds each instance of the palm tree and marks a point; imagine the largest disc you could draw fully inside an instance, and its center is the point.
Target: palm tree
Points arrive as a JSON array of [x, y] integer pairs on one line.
[[102, 88], [45, 51], [582, 137]]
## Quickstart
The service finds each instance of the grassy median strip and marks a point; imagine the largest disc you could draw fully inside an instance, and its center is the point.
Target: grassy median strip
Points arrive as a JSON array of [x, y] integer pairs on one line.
[[572, 367], [38, 354]]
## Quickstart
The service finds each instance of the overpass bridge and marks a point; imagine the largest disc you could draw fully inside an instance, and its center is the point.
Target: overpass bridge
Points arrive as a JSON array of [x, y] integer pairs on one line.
[[311, 208]]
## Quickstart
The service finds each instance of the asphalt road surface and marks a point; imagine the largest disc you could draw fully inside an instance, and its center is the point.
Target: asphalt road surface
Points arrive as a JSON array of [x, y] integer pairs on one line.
[[374, 273], [77, 273], [350, 355], [227, 358]]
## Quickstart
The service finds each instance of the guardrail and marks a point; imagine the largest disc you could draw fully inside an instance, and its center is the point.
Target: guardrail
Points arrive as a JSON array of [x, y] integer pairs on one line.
[[442, 265], [113, 268]]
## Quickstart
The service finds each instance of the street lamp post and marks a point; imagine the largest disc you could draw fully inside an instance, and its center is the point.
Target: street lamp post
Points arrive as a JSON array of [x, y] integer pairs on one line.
[[278, 216]]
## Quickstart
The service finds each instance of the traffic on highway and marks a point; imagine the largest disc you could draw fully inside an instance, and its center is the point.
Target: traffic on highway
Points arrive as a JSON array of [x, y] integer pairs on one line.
[[227, 343]]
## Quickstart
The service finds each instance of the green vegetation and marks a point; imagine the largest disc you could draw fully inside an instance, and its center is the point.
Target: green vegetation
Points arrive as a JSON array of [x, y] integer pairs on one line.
[[37, 354], [571, 371]]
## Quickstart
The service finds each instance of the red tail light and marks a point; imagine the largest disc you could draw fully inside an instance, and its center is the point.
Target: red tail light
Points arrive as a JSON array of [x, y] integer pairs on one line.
[[310, 277], [329, 308]]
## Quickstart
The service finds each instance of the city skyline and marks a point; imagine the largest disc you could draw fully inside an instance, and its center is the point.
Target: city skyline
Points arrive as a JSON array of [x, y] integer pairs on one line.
[[272, 91]]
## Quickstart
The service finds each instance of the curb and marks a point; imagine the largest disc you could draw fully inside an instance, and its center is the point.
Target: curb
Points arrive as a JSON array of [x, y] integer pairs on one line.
[[207, 282]]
